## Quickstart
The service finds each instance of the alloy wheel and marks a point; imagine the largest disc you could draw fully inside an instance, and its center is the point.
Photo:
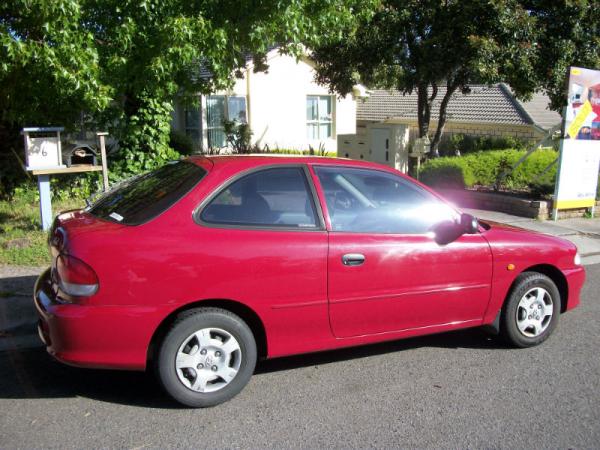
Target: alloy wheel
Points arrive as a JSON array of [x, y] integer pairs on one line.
[[534, 312], [208, 360]]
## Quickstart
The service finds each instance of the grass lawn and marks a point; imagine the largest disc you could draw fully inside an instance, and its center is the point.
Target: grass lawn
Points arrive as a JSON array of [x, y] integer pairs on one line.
[[22, 241]]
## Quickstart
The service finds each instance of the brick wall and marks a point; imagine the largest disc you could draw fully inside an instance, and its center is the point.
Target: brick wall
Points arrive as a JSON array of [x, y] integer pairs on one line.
[[537, 209]]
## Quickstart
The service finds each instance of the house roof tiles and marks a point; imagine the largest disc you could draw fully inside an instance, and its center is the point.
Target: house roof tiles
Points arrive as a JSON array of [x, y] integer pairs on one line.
[[493, 104], [539, 111]]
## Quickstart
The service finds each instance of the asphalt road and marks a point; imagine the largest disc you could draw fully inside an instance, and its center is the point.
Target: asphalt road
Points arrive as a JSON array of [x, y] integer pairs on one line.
[[453, 390]]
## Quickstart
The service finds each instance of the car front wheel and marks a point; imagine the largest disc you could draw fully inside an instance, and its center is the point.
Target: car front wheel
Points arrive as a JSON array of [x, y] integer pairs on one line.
[[206, 358], [531, 311]]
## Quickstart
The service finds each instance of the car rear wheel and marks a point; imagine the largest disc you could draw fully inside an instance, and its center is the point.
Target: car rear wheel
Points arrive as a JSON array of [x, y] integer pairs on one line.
[[531, 311], [206, 358]]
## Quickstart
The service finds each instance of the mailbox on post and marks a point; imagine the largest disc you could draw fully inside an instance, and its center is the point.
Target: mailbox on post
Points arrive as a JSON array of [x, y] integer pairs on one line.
[[43, 156], [420, 148]]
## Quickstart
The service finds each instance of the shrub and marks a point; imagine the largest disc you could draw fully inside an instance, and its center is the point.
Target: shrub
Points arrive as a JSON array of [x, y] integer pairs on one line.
[[128, 162], [286, 151], [484, 167], [447, 172], [144, 144], [541, 189], [465, 143], [239, 137], [181, 142], [320, 151], [12, 161]]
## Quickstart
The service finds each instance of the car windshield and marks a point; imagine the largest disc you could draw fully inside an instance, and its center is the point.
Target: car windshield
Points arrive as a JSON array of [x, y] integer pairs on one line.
[[143, 198]]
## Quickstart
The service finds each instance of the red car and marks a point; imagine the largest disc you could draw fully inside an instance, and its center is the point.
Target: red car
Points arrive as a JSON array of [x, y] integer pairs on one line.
[[204, 265]]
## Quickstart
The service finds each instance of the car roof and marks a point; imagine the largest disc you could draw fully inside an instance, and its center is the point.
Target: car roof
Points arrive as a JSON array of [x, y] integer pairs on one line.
[[237, 163], [255, 160]]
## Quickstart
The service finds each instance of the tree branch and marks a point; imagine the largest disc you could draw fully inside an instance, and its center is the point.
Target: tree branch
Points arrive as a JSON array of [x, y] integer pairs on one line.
[[451, 87]]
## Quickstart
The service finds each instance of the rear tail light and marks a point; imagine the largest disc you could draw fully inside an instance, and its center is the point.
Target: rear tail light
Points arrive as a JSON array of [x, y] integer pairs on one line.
[[76, 278]]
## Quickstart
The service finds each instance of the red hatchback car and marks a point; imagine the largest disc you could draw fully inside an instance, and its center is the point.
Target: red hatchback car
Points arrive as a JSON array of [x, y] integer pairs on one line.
[[204, 265]]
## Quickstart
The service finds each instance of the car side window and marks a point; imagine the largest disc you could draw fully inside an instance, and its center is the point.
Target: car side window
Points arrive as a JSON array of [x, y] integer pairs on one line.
[[276, 197], [372, 201]]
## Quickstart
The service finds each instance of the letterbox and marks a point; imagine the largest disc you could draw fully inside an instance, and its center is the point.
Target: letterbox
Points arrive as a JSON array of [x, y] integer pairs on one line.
[[42, 148]]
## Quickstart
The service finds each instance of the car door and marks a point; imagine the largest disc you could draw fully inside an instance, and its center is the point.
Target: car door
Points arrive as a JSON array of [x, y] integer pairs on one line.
[[263, 243], [386, 272]]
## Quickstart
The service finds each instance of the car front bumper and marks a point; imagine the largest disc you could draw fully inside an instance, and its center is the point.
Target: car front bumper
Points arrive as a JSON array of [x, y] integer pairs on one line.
[[115, 337], [575, 280]]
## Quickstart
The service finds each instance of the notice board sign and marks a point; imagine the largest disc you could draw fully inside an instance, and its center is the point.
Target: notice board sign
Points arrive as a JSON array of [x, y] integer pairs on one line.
[[582, 118], [579, 158]]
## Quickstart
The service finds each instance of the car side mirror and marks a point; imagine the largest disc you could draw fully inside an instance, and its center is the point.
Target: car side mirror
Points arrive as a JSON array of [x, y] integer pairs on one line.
[[449, 231], [469, 224]]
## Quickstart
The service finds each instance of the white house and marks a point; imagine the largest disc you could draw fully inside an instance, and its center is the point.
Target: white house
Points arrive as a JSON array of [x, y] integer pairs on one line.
[[285, 108]]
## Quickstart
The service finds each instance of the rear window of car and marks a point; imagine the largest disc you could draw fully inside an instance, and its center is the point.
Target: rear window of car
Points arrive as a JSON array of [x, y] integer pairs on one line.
[[276, 197], [142, 198]]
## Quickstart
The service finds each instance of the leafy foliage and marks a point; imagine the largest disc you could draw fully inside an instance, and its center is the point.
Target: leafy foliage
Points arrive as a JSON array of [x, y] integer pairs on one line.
[[49, 63], [482, 168], [320, 151], [124, 61], [568, 35], [464, 143], [181, 142], [440, 48], [447, 172], [424, 45], [146, 145], [239, 137]]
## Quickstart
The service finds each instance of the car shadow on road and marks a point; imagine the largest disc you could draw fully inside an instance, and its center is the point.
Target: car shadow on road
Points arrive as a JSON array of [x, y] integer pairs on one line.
[[32, 373]]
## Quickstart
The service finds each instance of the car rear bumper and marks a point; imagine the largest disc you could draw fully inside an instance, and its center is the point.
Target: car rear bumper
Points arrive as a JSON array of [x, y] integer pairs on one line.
[[575, 279], [115, 337]]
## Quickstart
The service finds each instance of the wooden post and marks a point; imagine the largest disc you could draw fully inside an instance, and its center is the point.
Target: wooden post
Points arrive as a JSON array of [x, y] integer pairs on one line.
[[101, 136]]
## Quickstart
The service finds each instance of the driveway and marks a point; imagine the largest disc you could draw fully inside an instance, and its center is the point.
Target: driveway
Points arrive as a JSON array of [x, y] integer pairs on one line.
[[453, 390]]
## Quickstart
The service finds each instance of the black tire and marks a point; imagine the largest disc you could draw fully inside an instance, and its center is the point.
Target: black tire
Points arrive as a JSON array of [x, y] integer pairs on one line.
[[189, 322], [513, 314]]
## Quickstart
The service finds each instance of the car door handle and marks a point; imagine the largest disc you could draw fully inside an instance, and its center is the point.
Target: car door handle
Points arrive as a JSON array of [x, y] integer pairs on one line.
[[353, 259]]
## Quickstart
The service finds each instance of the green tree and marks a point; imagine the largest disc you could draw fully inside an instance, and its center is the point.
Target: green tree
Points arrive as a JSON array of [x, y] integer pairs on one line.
[[421, 45], [124, 61], [49, 68], [568, 35]]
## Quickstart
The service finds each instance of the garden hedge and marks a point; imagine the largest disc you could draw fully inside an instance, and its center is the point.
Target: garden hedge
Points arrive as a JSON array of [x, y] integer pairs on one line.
[[482, 168]]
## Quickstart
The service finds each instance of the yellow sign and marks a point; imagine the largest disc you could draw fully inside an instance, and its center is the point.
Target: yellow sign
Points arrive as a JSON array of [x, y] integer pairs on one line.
[[570, 204], [577, 123], [575, 71]]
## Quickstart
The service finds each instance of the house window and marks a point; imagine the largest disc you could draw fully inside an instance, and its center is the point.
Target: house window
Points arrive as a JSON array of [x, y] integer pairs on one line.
[[192, 123], [219, 107], [319, 116]]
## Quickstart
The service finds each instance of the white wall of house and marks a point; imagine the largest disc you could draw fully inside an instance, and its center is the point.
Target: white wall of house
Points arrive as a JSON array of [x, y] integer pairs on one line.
[[276, 103]]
